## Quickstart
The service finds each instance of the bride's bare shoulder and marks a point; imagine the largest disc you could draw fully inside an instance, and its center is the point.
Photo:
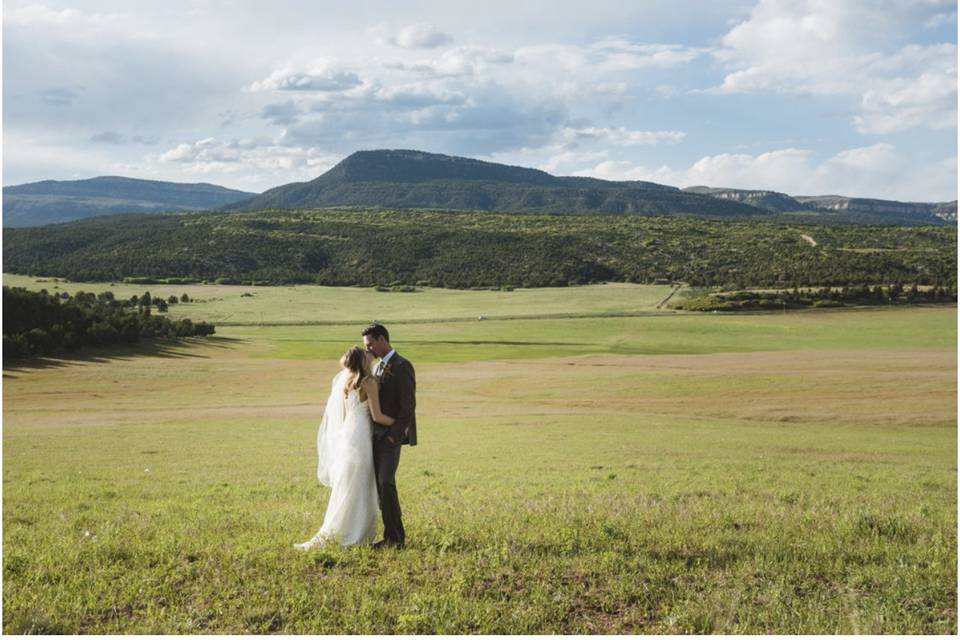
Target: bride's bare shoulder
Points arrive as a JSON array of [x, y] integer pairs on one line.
[[368, 386]]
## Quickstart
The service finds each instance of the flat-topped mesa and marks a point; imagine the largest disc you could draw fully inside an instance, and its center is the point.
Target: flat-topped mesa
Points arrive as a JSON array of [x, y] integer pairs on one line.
[[410, 179], [842, 208], [406, 165], [764, 198], [921, 210]]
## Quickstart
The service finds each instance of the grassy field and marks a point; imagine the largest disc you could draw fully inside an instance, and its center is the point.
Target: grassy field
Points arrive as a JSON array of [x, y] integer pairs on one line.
[[666, 473], [310, 303]]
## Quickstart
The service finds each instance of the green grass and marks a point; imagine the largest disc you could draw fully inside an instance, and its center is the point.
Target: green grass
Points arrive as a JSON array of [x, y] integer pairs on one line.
[[645, 335], [674, 474], [311, 303]]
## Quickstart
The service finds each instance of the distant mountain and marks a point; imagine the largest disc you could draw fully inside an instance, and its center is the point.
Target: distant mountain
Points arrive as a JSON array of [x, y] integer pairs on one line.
[[839, 208], [403, 179], [763, 198], [927, 212], [51, 201]]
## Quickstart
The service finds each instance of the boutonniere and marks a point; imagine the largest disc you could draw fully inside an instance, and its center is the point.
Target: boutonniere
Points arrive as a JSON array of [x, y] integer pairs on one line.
[[387, 371]]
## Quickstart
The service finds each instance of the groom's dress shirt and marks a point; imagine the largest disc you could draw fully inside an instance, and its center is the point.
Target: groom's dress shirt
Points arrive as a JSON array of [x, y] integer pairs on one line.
[[383, 363]]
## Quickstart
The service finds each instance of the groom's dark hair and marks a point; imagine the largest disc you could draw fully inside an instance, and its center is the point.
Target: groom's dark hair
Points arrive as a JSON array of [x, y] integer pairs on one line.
[[376, 331]]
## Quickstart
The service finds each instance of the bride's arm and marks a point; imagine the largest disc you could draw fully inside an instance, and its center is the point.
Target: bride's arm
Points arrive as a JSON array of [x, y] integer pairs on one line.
[[373, 396]]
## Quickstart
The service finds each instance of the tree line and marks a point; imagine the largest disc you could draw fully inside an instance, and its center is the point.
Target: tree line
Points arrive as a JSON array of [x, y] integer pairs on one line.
[[36, 323], [895, 294]]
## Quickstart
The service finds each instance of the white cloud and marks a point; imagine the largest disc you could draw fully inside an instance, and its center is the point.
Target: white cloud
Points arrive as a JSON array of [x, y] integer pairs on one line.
[[875, 171], [456, 62], [482, 98], [926, 96], [609, 55], [323, 76], [843, 48], [260, 163], [620, 136], [38, 16], [622, 55], [940, 19], [571, 148], [420, 94], [421, 36]]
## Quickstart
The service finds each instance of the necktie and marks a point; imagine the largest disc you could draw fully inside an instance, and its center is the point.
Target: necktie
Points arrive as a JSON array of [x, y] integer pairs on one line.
[[379, 372]]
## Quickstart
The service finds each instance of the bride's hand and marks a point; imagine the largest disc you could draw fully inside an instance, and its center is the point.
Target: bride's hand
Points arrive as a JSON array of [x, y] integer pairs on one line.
[[372, 389]]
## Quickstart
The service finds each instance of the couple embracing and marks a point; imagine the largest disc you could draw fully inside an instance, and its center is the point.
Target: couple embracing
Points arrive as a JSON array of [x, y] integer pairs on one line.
[[369, 415]]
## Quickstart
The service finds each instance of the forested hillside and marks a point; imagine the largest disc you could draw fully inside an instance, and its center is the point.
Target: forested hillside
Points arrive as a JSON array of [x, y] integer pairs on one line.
[[458, 250]]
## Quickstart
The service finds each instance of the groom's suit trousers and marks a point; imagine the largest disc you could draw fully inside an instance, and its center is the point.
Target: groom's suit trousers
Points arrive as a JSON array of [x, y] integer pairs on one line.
[[386, 458]]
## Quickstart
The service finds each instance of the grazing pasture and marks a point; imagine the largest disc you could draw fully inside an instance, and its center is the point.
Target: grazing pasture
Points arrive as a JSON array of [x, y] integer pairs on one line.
[[655, 473]]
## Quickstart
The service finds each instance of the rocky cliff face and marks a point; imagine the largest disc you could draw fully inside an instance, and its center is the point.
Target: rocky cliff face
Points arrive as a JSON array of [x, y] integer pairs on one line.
[[920, 210], [946, 211], [762, 198]]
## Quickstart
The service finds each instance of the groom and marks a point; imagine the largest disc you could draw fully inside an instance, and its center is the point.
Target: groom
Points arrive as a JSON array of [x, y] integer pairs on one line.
[[398, 398]]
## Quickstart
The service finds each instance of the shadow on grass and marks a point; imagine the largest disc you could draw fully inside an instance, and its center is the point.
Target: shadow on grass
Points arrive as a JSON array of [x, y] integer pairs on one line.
[[511, 343], [156, 348]]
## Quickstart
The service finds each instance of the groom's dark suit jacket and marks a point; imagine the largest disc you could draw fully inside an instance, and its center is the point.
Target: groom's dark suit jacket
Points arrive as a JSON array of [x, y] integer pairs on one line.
[[398, 399]]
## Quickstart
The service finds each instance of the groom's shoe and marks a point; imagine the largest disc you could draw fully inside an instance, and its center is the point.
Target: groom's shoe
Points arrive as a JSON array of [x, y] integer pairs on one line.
[[388, 544]]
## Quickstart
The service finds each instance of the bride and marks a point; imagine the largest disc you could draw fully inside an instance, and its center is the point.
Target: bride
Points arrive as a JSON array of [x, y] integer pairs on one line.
[[345, 448]]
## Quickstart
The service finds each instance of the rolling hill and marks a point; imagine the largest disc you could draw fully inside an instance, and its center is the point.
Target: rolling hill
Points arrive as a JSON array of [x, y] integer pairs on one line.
[[52, 201]]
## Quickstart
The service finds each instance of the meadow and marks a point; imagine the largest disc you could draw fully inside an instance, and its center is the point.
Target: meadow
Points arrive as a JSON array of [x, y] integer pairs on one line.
[[639, 471]]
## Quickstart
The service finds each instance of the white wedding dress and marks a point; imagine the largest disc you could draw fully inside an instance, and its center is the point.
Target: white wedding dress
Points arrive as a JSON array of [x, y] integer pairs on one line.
[[345, 450]]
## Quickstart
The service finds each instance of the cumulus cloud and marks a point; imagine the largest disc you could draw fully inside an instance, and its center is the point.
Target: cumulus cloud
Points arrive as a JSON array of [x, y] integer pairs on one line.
[[421, 36], [259, 160], [622, 54], [576, 144], [283, 114], [323, 76], [842, 48], [925, 96], [420, 94], [456, 62], [877, 171], [480, 98], [486, 120]]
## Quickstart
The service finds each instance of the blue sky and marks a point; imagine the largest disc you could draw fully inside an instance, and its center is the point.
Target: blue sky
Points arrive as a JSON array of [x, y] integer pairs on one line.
[[803, 96]]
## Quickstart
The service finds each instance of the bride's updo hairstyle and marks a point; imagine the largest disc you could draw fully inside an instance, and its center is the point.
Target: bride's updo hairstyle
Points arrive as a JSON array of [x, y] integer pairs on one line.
[[356, 361]]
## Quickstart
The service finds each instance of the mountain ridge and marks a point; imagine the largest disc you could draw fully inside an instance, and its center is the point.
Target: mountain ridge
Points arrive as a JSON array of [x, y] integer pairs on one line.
[[405, 178], [410, 179], [53, 201]]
